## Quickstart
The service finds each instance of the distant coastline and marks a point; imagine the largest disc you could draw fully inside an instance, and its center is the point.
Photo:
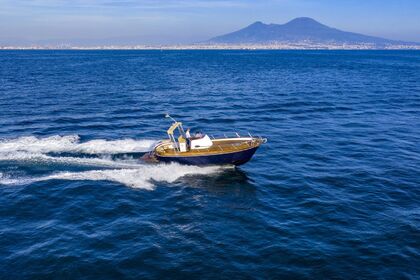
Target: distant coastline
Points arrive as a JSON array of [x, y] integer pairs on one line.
[[301, 33], [274, 46]]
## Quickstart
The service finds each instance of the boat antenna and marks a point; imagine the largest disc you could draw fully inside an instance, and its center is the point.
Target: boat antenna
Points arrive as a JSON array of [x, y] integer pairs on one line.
[[169, 116]]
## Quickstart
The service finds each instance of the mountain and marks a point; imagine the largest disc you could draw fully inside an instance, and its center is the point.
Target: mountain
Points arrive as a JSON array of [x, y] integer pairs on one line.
[[298, 30]]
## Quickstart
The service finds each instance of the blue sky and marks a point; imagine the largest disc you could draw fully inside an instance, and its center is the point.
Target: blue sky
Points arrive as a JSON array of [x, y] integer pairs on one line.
[[91, 22]]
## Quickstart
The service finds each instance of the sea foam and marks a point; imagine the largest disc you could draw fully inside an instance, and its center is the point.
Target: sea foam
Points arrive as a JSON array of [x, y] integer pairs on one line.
[[39, 158], [141, 177], [72, 144], [31, 150]]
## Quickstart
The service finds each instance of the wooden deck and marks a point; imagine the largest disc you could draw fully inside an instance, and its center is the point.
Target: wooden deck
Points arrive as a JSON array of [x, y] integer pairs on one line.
[[220, 146]]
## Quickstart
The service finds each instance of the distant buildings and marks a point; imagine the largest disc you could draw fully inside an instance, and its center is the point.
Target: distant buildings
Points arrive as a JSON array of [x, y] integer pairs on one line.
[[212, 46]]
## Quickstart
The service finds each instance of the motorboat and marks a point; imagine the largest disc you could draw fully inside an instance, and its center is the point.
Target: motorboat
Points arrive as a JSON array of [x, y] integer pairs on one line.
[[203, 149]]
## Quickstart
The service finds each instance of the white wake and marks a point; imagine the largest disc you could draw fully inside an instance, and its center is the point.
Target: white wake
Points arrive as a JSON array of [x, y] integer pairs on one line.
[[130, 172], [140, 177], [72, 144], [43, 159]]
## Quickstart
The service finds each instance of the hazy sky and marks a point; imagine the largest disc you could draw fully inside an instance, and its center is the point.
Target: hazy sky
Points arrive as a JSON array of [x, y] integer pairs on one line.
[[90, 22]]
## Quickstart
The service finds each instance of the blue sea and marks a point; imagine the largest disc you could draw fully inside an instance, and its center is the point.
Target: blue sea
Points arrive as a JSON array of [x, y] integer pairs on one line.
[[333, 194]]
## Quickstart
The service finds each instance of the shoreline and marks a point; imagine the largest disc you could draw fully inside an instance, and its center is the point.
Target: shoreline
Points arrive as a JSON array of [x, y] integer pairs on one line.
[[219, 47]]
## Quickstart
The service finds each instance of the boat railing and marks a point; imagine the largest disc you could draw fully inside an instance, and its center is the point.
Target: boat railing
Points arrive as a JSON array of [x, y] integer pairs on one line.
[[228, 146], [237, 135]]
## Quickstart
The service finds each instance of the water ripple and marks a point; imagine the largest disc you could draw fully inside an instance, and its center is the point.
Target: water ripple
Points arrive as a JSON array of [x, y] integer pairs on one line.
[[333, 194]]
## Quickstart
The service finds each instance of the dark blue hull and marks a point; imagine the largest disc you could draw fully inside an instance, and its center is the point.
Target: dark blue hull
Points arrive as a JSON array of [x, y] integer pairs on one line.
[[235, 158]]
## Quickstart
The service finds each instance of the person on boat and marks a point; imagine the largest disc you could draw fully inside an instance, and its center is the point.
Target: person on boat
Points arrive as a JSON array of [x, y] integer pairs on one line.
[[198, 135], [188, 137], [187, 134]]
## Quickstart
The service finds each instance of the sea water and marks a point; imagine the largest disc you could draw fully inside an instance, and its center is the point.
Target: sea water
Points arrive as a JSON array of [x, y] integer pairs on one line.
[[333, 194]]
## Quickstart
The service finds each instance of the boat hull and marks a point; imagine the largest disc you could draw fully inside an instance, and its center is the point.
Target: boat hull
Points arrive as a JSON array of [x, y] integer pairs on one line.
[[234, 158]]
